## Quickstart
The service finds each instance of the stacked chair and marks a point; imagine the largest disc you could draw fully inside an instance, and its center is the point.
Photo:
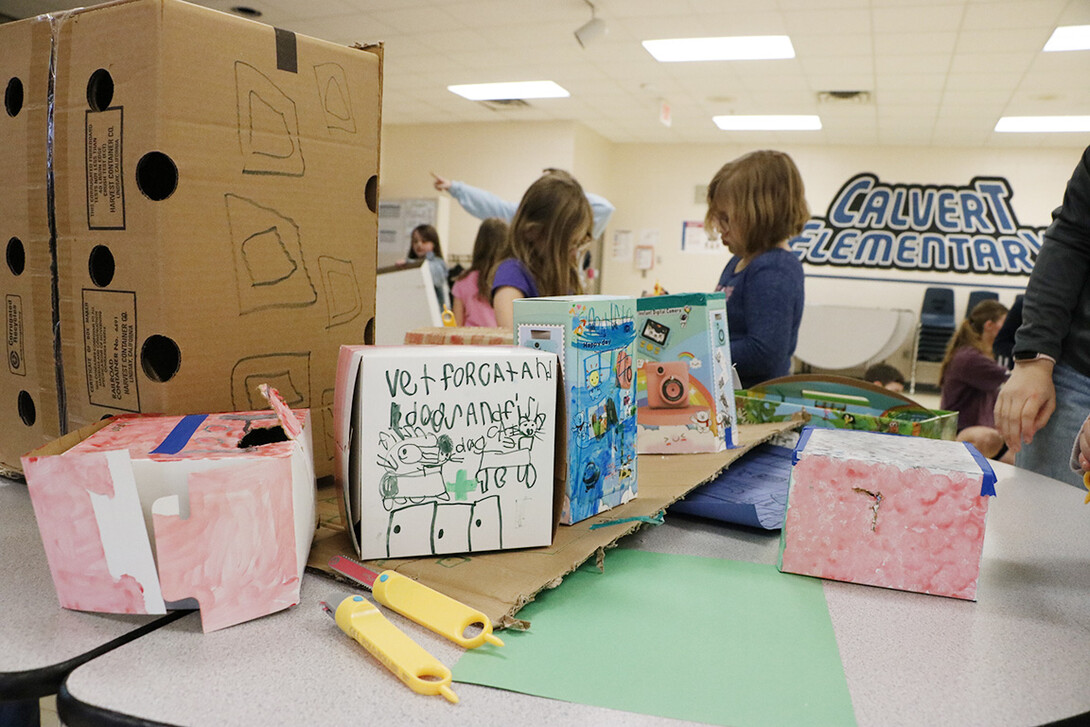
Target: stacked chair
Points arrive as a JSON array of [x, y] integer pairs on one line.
[[935, 329]]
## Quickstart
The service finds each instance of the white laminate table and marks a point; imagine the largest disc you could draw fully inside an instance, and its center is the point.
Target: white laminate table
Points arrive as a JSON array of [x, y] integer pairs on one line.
[[843, 337], [40, 642], [1020, 655]]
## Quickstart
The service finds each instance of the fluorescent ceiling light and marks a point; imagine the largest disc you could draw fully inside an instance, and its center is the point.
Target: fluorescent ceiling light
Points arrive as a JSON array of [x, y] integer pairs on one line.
[[505, 91], [799, 122], [1046, 124], [735, 48], [1069, 37]]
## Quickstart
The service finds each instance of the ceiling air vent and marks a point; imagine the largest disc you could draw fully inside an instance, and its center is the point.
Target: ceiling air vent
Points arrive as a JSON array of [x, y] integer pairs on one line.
[[505, 104], [843, 97]]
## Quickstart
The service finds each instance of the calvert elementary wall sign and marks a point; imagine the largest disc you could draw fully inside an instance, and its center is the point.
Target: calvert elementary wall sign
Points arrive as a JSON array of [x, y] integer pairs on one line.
[[949, 229]]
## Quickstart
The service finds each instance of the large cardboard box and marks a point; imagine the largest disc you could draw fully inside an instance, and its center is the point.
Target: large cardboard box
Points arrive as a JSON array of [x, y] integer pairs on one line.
[[29, 413], [882, 510], [594, 337], [216, 210], [446, 449], [139, 514], [684, 379], [838, 402]]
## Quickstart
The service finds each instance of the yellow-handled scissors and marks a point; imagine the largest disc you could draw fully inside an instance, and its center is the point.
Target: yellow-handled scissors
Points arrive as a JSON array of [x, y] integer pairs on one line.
[[419, 670], [448, 317]]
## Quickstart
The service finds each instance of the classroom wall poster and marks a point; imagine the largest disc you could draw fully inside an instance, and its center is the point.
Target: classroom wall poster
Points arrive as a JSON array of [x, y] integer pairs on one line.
[[622, 244], [695, 239]]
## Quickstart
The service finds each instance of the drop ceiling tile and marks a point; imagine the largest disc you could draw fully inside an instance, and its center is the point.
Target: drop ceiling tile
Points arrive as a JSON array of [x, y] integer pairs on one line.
[[1015, 14], [912, 19]]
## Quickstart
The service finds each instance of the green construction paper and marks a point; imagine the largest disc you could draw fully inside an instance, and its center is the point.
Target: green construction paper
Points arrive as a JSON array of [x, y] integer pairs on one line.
[[702, 639]]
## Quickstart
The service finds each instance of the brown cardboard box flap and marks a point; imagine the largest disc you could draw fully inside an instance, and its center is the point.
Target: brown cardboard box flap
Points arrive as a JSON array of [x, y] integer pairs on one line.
[[501, 583]]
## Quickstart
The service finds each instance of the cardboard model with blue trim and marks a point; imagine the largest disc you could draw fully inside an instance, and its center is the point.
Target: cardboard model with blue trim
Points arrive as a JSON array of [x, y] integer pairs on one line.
[[684, 385], [594, 336]]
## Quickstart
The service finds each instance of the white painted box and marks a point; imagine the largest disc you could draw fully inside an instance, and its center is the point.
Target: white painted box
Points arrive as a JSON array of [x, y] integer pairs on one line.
[[446, 449]]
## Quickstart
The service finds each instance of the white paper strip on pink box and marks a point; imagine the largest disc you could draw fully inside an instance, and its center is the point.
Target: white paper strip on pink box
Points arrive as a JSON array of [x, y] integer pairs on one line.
[[149, 512], [884, 510]]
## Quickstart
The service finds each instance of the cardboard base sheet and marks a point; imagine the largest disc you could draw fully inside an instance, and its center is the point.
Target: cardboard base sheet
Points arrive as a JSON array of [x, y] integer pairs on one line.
[[501, 583]]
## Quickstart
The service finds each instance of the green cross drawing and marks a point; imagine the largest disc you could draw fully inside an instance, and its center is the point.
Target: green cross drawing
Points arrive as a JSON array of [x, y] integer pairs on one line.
[[462, 486]]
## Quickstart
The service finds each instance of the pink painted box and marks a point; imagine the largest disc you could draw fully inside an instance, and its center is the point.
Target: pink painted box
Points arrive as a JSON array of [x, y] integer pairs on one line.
[[142, 514], [886, 510]]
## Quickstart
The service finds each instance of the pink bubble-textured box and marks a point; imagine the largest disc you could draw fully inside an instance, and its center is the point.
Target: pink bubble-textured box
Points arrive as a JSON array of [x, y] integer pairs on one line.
[[883, 510]]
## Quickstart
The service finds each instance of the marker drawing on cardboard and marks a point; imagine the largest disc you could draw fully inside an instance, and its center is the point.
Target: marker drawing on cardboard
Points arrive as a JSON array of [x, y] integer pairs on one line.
[[268, 125], [446, 449], [288, 373], [268, 252], [333, 90], [344, 301]]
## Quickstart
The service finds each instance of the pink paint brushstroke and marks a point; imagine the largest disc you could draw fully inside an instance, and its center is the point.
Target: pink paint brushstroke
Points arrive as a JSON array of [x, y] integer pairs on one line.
[[59, 491], [236, 552], [216, 438]]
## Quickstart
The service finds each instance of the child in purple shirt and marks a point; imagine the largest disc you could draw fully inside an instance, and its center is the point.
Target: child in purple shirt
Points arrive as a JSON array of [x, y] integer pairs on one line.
[[553, 221], [970, 379]]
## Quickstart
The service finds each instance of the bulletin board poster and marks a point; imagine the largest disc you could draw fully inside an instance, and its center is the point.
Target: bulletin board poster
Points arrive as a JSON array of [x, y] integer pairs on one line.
[[396, 220], [622, 244], [695, 239]]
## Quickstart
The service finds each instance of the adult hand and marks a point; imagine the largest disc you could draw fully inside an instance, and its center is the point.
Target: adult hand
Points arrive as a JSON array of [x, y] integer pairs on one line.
[[1025, 402], [1084, 446], [441, 183]]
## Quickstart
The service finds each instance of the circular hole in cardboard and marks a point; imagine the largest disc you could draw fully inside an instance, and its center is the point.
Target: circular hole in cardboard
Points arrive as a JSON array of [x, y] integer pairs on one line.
[[100, 264], [100, 90], [160, 358], [369, 332], [27, 411], [370, 193], [156, 176], [13, 97], [16, 256]]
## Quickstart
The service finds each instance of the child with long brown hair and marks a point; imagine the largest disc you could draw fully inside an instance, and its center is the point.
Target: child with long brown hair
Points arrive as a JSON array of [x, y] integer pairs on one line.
[[424, 244], [970, 379], [757, 203], [472, 292], [552, 223]]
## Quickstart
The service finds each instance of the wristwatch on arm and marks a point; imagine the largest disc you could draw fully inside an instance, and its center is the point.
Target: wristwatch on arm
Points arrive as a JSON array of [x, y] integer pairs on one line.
[[1023, 356]]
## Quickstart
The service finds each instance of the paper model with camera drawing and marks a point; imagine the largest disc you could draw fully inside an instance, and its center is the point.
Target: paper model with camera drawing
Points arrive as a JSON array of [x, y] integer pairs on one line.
[[594, 337], [684, 386]]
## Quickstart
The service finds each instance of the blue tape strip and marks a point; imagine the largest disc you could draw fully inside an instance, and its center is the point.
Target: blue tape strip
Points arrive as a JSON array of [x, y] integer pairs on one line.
[[804, 437], [179, 436], [987, 487]]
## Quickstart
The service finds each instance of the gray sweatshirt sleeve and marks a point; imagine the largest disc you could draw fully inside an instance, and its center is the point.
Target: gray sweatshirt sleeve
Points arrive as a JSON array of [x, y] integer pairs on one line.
[[1056, 311]]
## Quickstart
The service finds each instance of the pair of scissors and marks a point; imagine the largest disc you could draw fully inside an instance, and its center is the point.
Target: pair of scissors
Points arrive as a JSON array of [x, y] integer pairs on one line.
[[361, 619], [448, 317]]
